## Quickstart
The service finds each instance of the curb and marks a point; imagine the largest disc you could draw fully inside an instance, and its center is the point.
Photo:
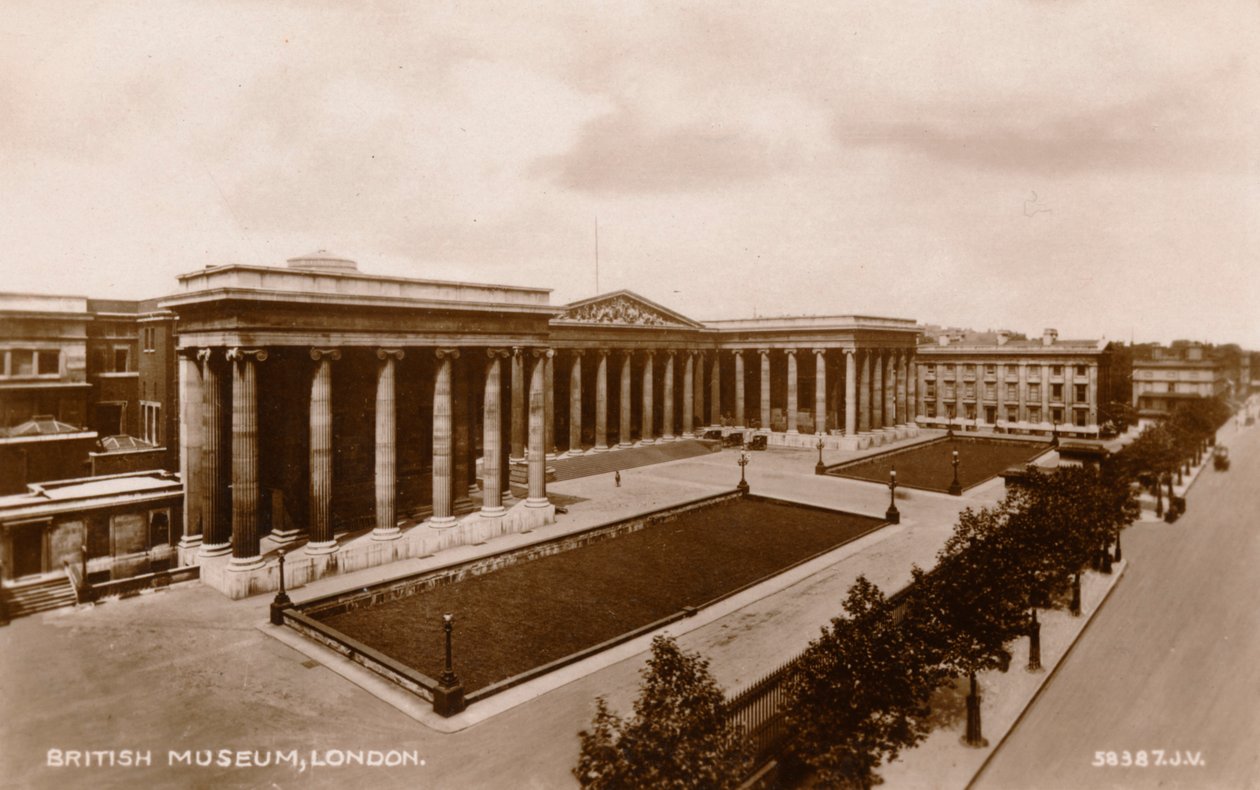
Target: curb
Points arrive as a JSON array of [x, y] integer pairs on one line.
[[1049, 678]]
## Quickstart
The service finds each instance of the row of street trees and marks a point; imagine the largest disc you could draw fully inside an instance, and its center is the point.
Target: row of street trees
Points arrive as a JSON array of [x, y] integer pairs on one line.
[[1163, 453]]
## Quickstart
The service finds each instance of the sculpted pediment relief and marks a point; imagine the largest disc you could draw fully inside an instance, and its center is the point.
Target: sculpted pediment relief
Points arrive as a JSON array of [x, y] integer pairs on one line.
[[622, 309]]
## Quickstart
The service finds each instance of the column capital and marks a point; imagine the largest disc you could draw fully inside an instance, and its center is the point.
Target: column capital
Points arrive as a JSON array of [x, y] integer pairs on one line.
[[497, 353], [204, 354], [850, 352], [386, 353], [191, 353], [541, 353], [318, 354], [790, 351], [820, 351], [577, 352], [737, 352], [603, 352], [670, 351], [650, 352], [765, 352], [441, 353], [236, 354]]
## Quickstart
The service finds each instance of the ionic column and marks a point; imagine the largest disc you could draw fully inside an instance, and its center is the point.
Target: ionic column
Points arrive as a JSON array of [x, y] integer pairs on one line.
[[1001, 391], [739, 388], [443, 441], [668, 396], [864, 394], [715, 391], [190, 393], [492, 436], [549, 404], [648, 433], [689, 410], [890, 390], [791, 391], [624, 440], [820, 390], [765, 388], [216, 524], [699, 392], [902, 389], [877, 391], [575, 404], [246, 553], [850, 392], [601, 402], [537, 430], [386, 447], [321, 540], [1023, 391], [517, 450]]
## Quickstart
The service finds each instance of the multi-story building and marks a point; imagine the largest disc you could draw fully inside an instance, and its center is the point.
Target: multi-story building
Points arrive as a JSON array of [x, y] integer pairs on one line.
[[1166, 376], [1017, 386]]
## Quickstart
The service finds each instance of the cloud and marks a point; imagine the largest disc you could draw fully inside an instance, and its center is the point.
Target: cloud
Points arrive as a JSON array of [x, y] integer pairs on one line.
[[621, 153]]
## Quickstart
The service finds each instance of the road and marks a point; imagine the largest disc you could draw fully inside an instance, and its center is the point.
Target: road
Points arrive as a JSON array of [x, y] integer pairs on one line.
[[1171, 663]]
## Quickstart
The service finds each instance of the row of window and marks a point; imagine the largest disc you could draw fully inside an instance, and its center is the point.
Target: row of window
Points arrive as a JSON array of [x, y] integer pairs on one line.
[[29, 362], [1080, 417], [1010, 392], [969, 370]]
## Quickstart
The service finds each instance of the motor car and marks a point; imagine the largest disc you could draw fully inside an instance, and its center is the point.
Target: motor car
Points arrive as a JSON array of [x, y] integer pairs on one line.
[[1220, 458]]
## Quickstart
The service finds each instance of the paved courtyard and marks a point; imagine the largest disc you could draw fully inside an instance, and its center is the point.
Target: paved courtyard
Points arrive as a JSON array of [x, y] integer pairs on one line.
[[187, 669]]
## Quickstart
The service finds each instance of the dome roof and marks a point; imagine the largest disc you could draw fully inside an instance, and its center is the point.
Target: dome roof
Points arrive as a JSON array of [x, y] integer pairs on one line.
[[323, 261]]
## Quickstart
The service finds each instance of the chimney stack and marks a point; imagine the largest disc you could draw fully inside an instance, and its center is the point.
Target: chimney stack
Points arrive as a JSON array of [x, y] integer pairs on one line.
[[1002, 337], [1049, 336]]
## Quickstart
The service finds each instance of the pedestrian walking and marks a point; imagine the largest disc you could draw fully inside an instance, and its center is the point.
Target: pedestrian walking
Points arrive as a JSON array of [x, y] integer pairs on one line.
[[617, 478]]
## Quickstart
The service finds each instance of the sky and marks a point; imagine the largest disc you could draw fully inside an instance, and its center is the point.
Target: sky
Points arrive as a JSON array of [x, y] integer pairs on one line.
[[1022, 164]]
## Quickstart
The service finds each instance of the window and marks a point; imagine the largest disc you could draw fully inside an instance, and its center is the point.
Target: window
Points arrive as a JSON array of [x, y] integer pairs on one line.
[[1079, 418], [1080, 393], [931, 390], [1034, 414], [990, 370], [21, 362], [151, 413], [149, 334], [1056, 370], [1034, 392], [1012, 392], [1034, 373], [1056, 391], [990, 414], [990, 391], [931, 409], [1081, 370], [1172, 387], [1056, 414], [971, 391], [121, 356]]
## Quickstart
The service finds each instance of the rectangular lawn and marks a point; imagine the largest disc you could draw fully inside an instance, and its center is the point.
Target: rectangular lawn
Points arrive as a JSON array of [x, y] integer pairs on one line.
[[929, 466], [522, 616]]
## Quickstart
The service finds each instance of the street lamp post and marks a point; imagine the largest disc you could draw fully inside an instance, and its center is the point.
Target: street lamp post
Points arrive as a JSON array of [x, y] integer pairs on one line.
[[892, 514], [949, 425], [955, 488], [743, 462], [281, 601], [819, 468], [448, 696], [1054, 434], [1118, 556]]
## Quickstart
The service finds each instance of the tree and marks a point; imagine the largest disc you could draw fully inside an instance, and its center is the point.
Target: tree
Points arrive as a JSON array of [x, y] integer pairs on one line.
[[859, 694], [679, 736]]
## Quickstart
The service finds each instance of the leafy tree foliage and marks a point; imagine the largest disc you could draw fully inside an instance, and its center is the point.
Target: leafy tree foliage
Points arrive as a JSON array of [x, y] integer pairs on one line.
[[859, 694], [679, 736]]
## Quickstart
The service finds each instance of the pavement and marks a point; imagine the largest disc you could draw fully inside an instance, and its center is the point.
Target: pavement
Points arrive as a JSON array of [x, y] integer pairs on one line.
[[187, 669]]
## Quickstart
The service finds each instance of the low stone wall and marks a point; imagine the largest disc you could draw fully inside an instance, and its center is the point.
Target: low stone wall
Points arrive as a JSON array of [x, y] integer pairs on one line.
[[422, 540]]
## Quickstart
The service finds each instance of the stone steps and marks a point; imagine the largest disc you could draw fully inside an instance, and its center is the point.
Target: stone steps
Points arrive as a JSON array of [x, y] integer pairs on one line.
[[39, 597]]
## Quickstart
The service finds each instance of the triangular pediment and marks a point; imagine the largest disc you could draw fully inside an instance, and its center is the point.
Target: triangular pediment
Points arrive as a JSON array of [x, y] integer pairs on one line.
[[624, 308]]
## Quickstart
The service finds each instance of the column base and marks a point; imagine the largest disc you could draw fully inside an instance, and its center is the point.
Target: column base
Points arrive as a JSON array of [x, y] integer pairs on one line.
[[537, 502], [600, 448], [575, 453], [624, 445], [551, 456], [322, 547], [669, 437], [284, 537], [441, 522], [189, 542], [388, 533], [214, 549], [492, 512], [645, 442], [243, 564]]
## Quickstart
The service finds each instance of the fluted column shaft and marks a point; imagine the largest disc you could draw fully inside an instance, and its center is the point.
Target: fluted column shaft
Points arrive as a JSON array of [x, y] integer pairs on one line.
[[217, 526], [902, 389], [891, 416], [648, 433], [601, 402], [492, 436], [715, 391], [537, 431], [517, 450], [443, 440], [820, 390], [877, 391], [246, 554], [321, 540], [190, 441], [625, 439], [575, 404], [791, 391], [739, 388], [689, 410], [850, 392], [864, 394], [386, 447], [667, 416], [549, 405], [765, 388]]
